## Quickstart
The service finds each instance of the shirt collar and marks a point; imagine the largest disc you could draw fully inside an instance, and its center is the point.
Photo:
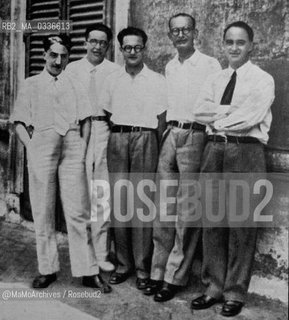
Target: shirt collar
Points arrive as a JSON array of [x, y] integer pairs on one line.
[[242, 70], [90, 67], [143, 73], [193, 59], [48, 77]]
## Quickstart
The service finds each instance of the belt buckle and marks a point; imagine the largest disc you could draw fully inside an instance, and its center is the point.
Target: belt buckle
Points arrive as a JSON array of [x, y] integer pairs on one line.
[[225, 139], [134, 129], [180, 124]]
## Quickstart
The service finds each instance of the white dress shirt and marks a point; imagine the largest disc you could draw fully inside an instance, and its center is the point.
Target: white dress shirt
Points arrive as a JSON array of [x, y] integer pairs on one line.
[[82, 69], [249, 113], [184, 83], [134, 101], [41, 94]]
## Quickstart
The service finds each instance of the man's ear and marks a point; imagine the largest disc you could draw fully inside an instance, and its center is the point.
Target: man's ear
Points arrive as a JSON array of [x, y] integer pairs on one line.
[[85, 44], [196, 33]]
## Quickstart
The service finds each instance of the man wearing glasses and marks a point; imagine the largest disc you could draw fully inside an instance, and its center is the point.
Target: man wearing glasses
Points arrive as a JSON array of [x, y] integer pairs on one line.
[[180, 155], [91, 72], [136, 98]]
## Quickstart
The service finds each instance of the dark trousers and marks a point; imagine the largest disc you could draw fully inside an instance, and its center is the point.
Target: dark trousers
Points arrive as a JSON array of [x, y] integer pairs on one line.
[[228, 253], [132, 156]]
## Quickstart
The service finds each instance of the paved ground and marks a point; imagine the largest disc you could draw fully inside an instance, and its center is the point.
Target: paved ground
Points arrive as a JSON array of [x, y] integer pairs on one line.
[[18, 267]]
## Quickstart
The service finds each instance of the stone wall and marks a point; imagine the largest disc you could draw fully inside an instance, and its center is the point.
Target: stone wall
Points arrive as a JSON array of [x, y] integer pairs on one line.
[[270, 21], [4, 105], [4, 58]]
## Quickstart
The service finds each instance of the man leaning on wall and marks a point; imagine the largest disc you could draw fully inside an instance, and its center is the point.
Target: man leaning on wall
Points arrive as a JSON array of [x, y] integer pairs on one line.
[[235, 103]]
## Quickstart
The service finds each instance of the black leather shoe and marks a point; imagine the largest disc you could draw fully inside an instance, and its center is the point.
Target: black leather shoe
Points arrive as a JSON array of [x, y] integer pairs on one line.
[[117, 278], [203, 302], [96, 282], [43, 281], [142, 284], [153, 287], [167, 292], [231, 308]]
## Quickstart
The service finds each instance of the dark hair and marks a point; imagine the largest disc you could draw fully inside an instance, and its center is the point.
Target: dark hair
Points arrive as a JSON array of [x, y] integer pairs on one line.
[[131, 31], [243, 25], [62, 38], [99, 27], [182, 14]]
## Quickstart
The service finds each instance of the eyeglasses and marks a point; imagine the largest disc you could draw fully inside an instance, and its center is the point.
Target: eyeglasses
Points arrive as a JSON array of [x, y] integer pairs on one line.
[[128, 48], [94, 43], [176, 31]]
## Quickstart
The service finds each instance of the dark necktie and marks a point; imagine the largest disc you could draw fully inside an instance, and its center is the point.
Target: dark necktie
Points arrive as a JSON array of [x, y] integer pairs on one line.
[[228, 93]]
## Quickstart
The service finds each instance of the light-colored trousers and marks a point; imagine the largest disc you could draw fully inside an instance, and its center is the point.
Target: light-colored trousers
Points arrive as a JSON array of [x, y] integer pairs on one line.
[[98, 182], [175, 243], [53, 158]]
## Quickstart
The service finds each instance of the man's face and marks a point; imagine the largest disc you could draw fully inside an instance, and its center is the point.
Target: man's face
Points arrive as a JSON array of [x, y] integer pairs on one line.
[[182, 33], [56, 59], [237, 46], [96, 46], [133, 50]]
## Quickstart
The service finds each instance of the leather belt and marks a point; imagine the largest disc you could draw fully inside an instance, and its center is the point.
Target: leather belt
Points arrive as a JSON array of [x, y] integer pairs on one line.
[[188, 125], [118, 128], [232, 139], [99, 118]]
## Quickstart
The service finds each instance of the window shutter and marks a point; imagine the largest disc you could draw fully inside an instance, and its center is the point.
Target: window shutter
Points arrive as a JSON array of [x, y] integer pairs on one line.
[[82, 14], [39, 10]]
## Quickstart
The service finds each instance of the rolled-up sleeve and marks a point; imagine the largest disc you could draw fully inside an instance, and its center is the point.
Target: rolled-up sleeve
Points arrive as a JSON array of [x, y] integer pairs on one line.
[[22, 108]]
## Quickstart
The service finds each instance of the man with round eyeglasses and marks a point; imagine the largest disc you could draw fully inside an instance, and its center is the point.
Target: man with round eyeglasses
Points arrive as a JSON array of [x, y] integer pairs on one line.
[[91, 72], [136, 98], [180, 156]]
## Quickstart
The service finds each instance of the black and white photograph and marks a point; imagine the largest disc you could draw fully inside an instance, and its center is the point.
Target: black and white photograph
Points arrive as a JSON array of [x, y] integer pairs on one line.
[[144, 159]]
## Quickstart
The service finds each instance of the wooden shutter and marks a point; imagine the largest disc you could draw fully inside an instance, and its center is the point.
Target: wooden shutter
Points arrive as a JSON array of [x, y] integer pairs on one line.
[[39, 10], [82, 14]]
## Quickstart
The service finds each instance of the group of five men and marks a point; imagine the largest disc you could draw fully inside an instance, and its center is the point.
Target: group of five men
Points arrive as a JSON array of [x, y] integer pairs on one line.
[[97, 118]]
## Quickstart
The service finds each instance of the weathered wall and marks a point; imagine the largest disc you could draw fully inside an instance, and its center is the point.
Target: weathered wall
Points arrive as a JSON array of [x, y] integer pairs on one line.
[[4, 103], [4, 58], [270, 21]]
